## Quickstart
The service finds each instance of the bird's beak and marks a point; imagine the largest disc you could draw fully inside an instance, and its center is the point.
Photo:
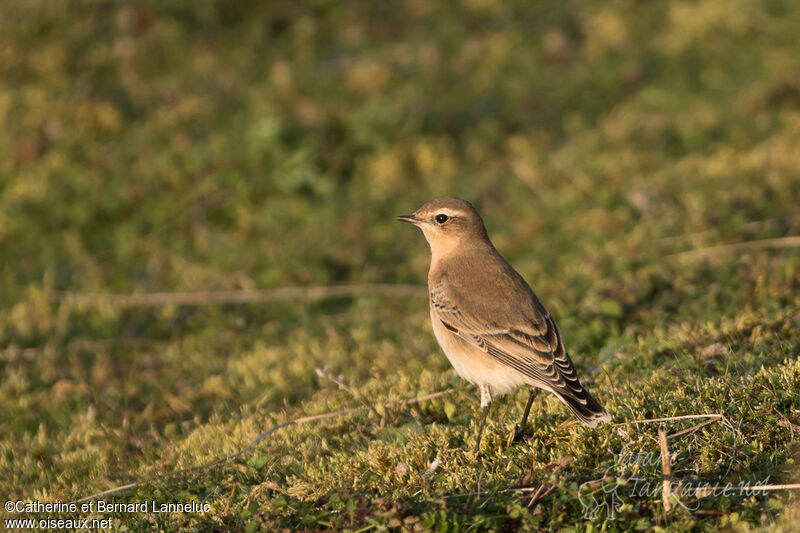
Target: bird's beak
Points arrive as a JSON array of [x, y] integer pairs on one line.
[[407, 218]]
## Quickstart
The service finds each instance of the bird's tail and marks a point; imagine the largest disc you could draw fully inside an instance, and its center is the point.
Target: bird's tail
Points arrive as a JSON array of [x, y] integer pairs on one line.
[[586, 408]]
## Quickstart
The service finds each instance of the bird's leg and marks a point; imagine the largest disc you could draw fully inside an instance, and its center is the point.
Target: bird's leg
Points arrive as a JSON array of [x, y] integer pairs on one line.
[[486, 401], [519, 430]]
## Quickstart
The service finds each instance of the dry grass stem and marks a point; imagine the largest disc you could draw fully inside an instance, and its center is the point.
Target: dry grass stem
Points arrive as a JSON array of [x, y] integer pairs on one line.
[[668, 419], [259, 438], [201, 298]]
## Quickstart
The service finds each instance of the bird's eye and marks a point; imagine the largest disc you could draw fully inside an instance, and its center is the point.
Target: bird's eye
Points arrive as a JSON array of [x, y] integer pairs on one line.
[[441, 218]]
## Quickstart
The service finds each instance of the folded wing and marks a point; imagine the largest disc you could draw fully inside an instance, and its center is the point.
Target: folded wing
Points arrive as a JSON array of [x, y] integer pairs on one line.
[[523, 336]]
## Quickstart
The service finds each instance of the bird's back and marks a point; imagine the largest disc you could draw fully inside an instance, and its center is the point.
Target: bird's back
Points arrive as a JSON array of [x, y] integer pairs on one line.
[[480, 276]]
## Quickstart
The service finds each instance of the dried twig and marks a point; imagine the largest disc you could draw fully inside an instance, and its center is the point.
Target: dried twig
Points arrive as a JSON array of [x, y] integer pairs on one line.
[[540, 493], [535, 489], [703, 490], [693, 428], [763, 244], [666, 470], [668, 419], [339, 380], [786, 424], [317, 292], [748, 227], [259, 438], [433, 468]]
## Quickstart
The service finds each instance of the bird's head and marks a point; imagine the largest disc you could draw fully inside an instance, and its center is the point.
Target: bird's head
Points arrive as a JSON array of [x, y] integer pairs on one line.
[[447, 223]]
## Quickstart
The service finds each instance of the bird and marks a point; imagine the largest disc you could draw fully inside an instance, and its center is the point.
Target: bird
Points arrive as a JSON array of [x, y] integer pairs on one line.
[[487, 320]]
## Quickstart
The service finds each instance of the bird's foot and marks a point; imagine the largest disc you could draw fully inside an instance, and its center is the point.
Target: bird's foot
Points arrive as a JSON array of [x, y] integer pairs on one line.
[[519, 433]]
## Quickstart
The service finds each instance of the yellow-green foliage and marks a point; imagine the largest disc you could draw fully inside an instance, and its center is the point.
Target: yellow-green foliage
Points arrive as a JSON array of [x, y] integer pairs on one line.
[[195, 146]]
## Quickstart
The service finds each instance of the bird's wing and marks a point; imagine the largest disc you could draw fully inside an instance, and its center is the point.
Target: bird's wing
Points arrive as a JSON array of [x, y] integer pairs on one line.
[[528, 340]]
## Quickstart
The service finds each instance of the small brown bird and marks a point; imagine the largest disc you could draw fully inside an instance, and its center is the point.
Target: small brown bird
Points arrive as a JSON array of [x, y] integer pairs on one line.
[[489, 323]]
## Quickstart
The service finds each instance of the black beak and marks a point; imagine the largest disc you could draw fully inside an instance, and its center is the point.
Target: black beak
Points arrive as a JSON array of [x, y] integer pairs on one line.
[[407, 218]]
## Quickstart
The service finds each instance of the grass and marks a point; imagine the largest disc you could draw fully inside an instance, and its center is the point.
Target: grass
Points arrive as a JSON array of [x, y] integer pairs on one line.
[[177, 146]]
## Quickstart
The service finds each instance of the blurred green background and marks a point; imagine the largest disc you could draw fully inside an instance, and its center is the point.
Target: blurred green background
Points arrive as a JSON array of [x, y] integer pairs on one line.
[[198, 146]]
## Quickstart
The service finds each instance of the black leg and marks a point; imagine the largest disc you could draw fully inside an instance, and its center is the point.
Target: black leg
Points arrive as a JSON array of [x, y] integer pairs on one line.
[[485, 409], [519, 431]]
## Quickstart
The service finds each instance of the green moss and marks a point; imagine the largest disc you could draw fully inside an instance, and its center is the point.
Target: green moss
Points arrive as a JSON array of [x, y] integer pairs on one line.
[[182, 146]]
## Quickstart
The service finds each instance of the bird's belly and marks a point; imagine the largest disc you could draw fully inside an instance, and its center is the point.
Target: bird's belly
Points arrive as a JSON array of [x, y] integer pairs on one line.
[[475, 365]]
